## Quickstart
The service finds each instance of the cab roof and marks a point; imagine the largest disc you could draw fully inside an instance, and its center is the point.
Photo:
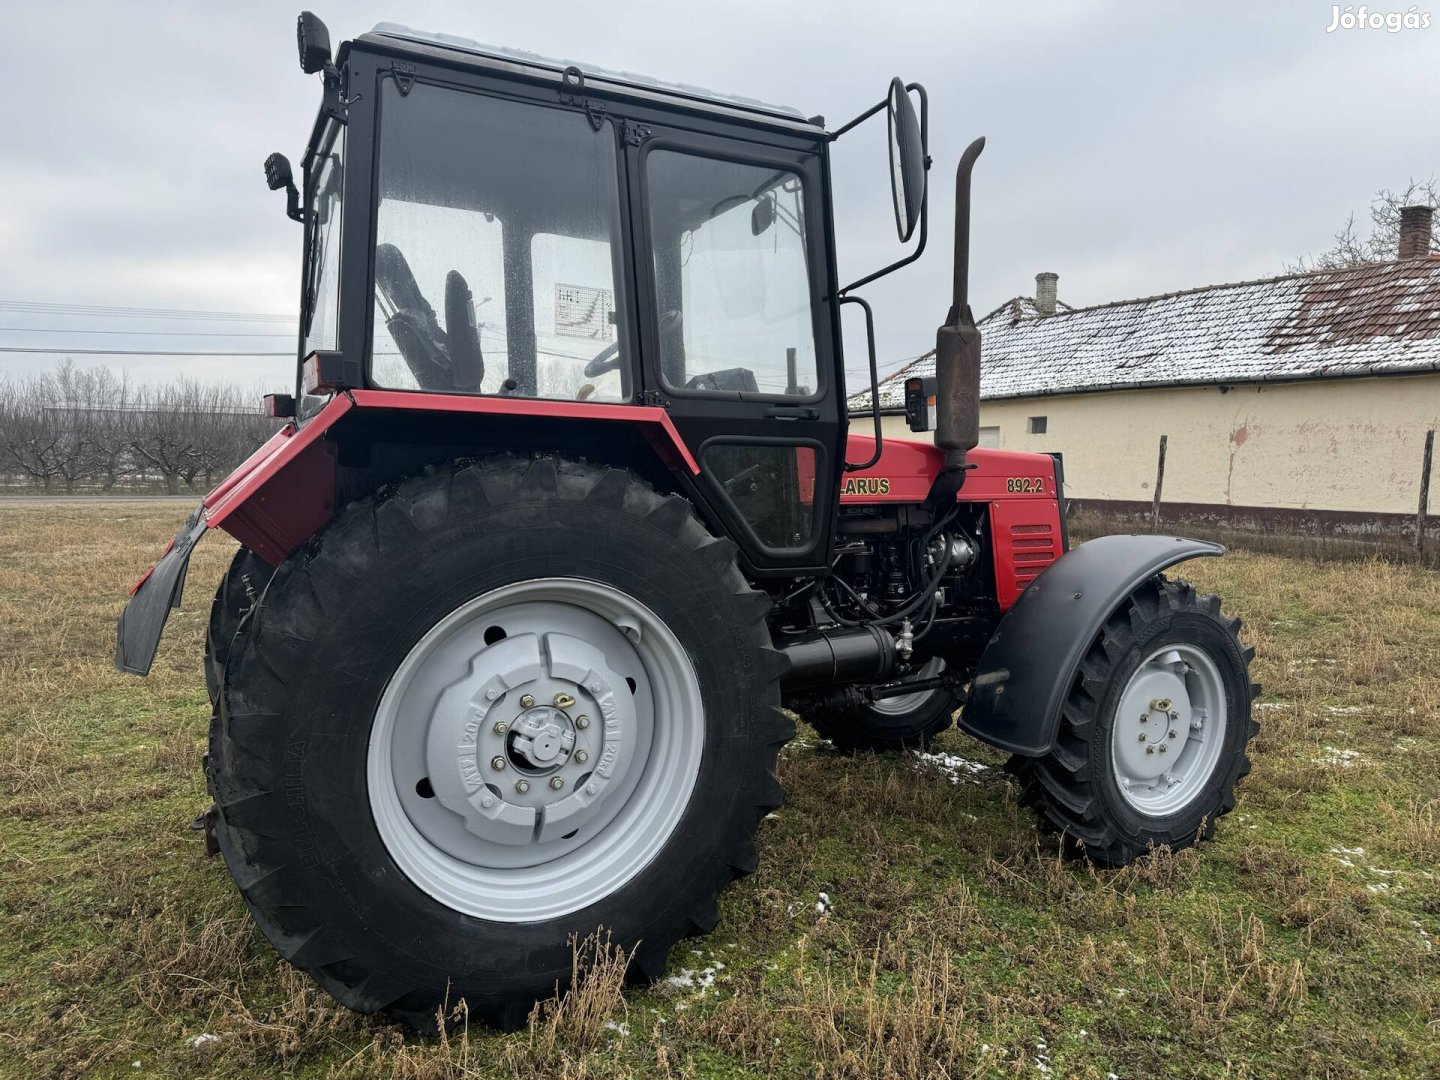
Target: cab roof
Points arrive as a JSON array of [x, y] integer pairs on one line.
[[503, 57]]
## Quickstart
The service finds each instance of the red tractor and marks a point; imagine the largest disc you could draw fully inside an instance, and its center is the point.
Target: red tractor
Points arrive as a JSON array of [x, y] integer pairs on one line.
[[567, 516]]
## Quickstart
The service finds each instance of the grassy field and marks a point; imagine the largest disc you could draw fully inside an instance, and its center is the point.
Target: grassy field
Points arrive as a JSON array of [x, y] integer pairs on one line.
[[906, 918]]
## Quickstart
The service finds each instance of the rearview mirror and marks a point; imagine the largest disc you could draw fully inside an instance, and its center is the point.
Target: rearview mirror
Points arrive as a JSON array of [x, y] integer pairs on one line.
[[907, 159], [763, 216]]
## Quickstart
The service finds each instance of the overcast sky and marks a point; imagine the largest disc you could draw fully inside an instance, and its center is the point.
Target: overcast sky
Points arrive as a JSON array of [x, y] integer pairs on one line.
[[1134, 148]]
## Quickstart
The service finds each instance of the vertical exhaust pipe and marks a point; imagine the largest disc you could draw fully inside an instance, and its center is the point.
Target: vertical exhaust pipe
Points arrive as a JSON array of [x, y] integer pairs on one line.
[[957, 353]]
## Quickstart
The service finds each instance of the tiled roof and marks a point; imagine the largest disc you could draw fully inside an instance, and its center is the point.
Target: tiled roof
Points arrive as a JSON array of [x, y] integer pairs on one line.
[[1377, 319]]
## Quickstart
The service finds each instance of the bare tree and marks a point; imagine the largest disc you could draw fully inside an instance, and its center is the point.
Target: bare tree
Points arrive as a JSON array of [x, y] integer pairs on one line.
[[1353, 249], [73, 427], [33, 443]]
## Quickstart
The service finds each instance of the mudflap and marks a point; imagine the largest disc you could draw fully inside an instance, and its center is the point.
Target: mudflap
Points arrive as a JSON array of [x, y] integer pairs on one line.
[[137, 634], [1030, 663]]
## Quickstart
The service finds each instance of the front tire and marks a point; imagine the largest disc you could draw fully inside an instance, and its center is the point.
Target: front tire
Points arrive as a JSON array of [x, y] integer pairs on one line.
[[909, 722], [1155, 732], [410, 802]]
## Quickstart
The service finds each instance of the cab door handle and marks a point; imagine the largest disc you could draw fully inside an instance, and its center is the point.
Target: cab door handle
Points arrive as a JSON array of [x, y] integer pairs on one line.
[[792, 412]]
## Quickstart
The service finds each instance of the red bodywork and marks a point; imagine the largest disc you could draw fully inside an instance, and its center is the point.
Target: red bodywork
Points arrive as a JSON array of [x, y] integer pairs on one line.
[[284, 492], [1019, 487]]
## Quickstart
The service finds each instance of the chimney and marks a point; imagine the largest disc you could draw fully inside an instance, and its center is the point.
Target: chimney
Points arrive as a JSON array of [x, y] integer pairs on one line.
[[1415, 231], [1045, 289]]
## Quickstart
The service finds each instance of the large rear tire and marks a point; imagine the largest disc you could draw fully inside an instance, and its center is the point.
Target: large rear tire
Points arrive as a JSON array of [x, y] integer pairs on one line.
[[241, 586], [909, 722], [413, 799], [1155, 732]]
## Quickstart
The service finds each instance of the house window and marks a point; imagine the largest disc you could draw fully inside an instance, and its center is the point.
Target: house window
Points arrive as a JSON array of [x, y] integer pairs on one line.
[[1038, 425]]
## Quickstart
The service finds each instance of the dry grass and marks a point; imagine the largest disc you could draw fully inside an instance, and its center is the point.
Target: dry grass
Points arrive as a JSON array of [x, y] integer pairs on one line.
[[957, 943]]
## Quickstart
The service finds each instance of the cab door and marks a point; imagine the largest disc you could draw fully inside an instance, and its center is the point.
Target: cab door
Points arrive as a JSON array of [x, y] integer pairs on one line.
[[738, 335]]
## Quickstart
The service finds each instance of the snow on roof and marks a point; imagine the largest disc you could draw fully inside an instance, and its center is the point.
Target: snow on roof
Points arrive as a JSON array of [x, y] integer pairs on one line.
[[1382, 318]]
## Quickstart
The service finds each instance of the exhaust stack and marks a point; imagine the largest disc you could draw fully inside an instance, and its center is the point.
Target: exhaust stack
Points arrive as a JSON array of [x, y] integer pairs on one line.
[[957, 352]]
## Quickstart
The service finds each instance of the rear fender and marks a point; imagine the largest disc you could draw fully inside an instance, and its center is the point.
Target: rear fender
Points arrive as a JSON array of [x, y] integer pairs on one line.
[[1030, 662], [284, 493], [138, 633], [280, 496]]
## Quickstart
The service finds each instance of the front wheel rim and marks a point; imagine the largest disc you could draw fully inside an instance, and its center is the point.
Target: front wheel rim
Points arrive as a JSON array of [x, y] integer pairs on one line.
[[535, 750], [1168, 730], [905, 704]]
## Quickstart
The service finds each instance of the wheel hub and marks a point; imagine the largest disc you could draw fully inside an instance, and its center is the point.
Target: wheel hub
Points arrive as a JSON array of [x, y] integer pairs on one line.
[[540, 773], [541, 740], [1167, 730]]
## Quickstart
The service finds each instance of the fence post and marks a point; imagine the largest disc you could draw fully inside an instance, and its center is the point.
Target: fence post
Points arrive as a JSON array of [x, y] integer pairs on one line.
[[1424, 492], [1159, 483]]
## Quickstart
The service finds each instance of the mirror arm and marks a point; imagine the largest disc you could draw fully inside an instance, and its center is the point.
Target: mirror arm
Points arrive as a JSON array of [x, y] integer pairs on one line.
[[858, 120], [874, 383], [924, 203]]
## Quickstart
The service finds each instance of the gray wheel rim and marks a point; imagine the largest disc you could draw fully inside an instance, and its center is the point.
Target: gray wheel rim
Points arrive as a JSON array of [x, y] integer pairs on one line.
[[908, 703], [1168, 730], [526, 776]]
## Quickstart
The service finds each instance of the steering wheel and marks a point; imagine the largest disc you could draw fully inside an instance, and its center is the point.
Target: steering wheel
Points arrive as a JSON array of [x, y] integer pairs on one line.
[[608, 358]]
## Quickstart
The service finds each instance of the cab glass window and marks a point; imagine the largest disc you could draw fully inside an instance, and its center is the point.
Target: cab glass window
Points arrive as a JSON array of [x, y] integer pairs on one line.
[[732, 277], [772, 487], [497, 256], [322, 259]]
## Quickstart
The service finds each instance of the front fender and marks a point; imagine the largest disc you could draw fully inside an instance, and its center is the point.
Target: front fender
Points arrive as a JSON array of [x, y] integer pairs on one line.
[[1030, 662]]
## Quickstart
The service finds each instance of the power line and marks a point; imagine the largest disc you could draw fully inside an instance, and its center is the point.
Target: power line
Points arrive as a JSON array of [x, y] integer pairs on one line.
[[39, 307], [145, 333], [136, 352]]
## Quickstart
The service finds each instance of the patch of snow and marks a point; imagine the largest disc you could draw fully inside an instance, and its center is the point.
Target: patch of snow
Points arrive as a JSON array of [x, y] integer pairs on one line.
[[1340, 758], [1268, 706], [957, 769], [195, 1042], [823, 905], [1346, 710], [622, 1028], [701, 979], [1354, 852]]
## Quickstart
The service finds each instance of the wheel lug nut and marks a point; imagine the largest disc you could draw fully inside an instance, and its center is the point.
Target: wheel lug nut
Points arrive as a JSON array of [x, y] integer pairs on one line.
[[556, 783], [497, 763], [501, 727], [527, 701], [1142, 736], [582, 722], [563, 701], [1149, 749], [1172, 733], [582, 756], [1144, 718], [1174, 714], [1163, 748], [522, 786]]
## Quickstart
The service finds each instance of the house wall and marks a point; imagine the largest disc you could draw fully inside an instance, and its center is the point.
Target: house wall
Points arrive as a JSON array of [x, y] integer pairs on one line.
[[1352, 445]]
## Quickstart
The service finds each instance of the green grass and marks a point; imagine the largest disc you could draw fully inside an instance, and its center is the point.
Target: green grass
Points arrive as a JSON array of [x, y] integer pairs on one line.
[[1303, 941]]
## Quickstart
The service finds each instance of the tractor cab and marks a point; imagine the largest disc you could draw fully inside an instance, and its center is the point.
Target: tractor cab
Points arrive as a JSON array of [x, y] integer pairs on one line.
[[488, 224]]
